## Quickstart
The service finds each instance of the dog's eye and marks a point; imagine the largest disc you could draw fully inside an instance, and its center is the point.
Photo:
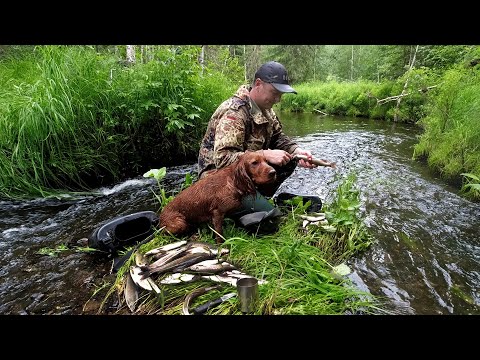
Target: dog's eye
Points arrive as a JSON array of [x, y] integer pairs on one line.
[[255, 162]]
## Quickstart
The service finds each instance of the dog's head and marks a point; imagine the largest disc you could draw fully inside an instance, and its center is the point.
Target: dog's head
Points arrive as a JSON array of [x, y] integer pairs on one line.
[[253, 169]]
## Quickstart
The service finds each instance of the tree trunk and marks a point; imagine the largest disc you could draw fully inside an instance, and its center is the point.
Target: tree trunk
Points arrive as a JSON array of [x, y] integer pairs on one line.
[[131, 54], [351, 66], [397, 108], [244, 63], [201, 60]]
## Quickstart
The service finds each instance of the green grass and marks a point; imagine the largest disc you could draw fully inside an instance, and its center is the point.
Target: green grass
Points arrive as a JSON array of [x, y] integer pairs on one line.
[[451, 138], [71, 118]]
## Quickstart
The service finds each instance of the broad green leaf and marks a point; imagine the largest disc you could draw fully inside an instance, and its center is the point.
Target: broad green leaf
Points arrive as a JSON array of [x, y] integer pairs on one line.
[[341, 270], [158, 174]]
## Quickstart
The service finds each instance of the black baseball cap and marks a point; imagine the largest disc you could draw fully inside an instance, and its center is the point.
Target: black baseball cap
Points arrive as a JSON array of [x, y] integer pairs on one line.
[[275, 73]]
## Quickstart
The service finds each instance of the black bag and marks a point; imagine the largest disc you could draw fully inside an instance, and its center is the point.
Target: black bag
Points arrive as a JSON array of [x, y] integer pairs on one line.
[[123, 231], [315, 201]]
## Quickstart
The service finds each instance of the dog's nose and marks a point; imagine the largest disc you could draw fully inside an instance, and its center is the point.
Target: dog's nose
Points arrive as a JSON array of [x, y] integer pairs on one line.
[[272, 173]]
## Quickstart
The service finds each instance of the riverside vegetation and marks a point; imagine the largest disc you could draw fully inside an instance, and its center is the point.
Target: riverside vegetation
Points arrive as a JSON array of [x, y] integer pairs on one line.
[[73, 118]]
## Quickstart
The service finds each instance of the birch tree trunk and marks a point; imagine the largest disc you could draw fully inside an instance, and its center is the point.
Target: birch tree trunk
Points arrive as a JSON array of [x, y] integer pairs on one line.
[[244, 63], [131, 54], [397, 108], [201, 60], [351, 66]]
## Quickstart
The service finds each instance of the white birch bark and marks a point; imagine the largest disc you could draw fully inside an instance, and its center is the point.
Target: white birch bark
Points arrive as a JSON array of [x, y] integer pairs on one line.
[[201, 60], [412, 62], [131, 54]]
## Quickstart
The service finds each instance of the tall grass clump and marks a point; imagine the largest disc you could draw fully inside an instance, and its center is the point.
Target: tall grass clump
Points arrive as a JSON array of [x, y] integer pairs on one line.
[[451, 138], [47, 135], [72, 119]]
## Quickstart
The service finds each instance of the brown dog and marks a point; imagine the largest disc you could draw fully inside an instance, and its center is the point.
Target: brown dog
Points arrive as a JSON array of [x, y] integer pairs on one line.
[[212, 197]]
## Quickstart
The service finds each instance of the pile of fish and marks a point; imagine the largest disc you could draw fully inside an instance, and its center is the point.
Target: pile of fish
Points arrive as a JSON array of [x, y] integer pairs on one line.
[[317, 219], [183, 262]]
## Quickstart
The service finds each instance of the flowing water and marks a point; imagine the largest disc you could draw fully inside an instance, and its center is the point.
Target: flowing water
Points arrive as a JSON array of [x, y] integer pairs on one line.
[[425, 259]]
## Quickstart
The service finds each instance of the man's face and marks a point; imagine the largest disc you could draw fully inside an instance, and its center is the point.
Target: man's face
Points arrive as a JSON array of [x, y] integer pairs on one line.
[[267, 95]]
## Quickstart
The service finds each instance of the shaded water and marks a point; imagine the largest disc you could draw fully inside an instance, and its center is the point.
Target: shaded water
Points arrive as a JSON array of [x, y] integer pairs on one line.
[[425, 260]]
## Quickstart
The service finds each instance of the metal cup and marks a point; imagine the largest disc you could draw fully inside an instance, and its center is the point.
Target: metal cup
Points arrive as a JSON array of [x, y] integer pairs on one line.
[[247, 289]]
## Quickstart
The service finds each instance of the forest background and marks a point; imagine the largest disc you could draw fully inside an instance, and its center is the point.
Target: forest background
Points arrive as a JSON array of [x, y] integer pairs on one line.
[[76, 117]]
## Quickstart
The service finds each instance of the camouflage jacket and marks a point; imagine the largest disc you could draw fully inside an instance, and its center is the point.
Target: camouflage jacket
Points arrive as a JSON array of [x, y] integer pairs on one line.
[[236, 127]]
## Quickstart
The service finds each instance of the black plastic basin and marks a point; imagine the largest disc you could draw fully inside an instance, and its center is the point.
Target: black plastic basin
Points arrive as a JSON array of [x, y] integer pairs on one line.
[[123, 231]]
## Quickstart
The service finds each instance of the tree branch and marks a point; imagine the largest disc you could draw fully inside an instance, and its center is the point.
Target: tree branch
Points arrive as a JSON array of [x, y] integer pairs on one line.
[[395, 97], [320, 111]]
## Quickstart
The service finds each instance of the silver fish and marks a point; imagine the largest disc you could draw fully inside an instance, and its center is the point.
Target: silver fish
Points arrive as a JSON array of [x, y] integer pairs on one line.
[[238, 274], [222, 278], [154, 286], [177, 265], [230, 278], [178, 278], [168, 256], [165, 248], [313, 218], [213, 248], [207, 267], [130, 293], [138, 280]]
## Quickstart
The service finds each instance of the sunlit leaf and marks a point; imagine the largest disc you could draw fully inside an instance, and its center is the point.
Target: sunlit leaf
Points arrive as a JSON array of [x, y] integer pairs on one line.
[[341, 270], [158, 174]]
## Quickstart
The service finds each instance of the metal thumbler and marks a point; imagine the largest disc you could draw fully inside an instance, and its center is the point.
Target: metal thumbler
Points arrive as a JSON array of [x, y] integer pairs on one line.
[[247, 289]]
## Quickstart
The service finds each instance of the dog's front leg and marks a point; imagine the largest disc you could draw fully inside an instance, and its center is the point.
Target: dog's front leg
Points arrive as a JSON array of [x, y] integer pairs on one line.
[[217, 220]]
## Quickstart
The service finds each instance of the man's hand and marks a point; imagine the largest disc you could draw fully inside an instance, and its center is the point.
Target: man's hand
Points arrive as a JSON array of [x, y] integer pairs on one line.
[[305, 163], [277, 157]]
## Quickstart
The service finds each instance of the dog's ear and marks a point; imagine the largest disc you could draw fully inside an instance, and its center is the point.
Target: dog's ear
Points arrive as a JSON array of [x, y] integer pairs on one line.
[[241, 177]]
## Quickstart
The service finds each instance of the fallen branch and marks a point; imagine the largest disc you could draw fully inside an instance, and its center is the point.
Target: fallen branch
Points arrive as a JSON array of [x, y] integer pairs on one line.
[[395, 97], [320, 111]]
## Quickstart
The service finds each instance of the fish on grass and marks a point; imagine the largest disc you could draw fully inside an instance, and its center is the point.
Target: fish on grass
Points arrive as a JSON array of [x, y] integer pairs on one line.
[[177, 265], [213, 266]]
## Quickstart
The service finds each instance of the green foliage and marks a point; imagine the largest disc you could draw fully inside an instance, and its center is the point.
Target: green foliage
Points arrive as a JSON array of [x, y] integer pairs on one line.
[[219, 60], [298, 59], [471, 185], [62, 248], [441, 57], [70, 116], [53, 251], [159, 174], [451, 129], [42, 145], [341, 98], [349, 235]]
